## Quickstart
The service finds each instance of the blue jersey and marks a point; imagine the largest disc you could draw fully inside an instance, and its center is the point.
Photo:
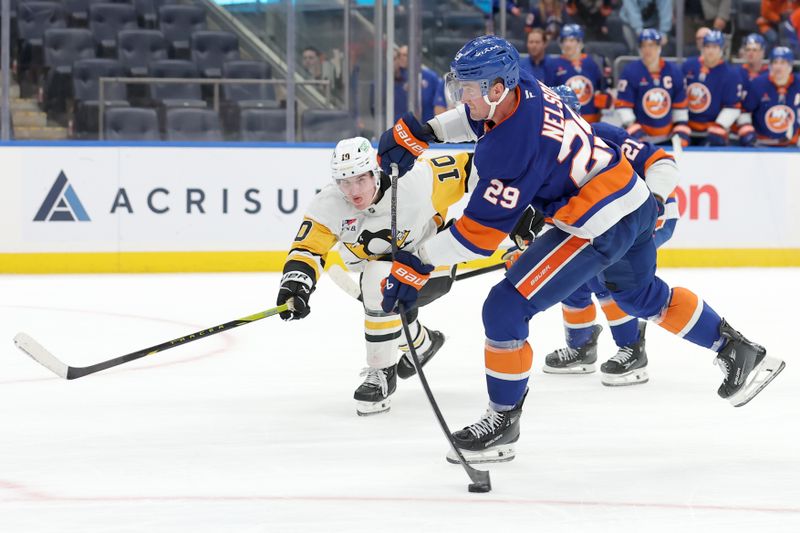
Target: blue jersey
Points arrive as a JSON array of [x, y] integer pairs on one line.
[[537, 69], [545, 155], [432, 90], [709, 91], [652, 96], [774, 110], [641, 155], [584, 77]]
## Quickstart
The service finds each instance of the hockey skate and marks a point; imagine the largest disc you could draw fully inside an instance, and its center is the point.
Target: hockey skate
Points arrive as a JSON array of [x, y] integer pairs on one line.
[[372, 396], [574, 360], [491, 439], [629, 365], [405, 367], [746, 367]]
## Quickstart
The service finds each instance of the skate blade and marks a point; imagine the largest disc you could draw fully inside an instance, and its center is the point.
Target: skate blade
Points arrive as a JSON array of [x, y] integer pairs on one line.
[[632, 377], [373, 408], [496, 454], [577, 369], [767, 370]]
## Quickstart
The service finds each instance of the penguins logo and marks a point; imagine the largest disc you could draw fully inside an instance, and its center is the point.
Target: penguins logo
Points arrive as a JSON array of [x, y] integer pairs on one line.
[[656, 103], [370, 245], [699, 97], [583, 88], [778, 118]]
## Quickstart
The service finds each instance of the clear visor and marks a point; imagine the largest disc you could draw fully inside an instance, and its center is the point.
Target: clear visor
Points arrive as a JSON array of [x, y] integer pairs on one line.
[[460, 91], [356, 183]]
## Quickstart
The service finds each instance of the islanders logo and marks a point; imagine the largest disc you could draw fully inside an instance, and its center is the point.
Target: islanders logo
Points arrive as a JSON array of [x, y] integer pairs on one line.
[[656, 103], [779, 118], [699, 97], [583, 88]]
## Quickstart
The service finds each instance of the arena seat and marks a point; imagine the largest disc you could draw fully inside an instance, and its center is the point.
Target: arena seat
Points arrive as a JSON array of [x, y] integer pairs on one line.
[[192, 124], [62, 47], [326, 125], [211, 49], [33, 19], [138, 48], [178, 22], [168, 95], [106, 20], [131, 124], [86, 74], [267, 125], [246, 95]]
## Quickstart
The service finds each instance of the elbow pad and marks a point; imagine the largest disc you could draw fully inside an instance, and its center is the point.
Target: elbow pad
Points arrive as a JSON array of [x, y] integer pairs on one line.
[[452, 126], [662, 177]]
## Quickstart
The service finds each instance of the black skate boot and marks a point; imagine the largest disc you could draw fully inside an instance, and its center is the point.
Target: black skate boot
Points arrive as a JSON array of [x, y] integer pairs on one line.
[[491, 439], [405, 367], [574, 360], [372, 396], [746, 366], [629, 365]]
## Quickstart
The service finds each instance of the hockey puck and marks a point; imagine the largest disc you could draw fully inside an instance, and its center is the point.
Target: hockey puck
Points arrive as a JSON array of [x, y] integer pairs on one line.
[[479, 487]]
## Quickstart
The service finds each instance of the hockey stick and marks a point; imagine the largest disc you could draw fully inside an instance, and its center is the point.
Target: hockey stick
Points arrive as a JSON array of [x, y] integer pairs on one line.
[[346, 283], [480, 478], [42, 356]]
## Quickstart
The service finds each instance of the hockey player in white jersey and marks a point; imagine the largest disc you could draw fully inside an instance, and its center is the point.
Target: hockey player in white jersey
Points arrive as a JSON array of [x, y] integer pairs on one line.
[[355, 211]]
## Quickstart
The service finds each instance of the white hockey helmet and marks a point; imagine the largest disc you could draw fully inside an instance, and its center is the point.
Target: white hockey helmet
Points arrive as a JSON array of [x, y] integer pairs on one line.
[[353, 157]]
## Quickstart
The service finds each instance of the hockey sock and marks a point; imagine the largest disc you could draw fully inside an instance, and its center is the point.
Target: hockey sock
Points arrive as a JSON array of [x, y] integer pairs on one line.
[[624, 328], [687, 316], [578, 324], [421, 340], [508, 365]]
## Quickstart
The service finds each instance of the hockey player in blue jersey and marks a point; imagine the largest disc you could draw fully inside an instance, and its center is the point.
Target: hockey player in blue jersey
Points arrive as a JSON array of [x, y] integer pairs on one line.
[[533, 150], [714, 92], [754, 65], [629, 365], [651, 98], [578, 71], [772, 105]]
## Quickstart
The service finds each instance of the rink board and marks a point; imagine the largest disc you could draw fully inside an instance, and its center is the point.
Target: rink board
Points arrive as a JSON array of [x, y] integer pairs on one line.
[[212, 208]]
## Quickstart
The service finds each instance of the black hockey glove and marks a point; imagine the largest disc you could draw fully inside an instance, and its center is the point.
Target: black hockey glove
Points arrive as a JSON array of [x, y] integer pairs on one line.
[[297, 286], [527, 228]]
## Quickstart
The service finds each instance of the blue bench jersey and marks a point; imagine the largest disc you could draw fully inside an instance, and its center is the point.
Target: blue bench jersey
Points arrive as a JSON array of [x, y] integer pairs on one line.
[[583, 77], [545, 155], [652, 96], [709, 91], [775, 110]]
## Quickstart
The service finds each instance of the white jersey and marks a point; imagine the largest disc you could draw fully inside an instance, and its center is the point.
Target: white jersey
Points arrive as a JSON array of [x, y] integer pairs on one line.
[[423, 196]]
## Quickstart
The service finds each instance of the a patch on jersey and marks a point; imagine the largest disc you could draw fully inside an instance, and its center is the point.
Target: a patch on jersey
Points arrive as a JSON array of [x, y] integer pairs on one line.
[[583, 88], [349, 225], [779, 118], [370, 245], [656, 102], [699, 97]]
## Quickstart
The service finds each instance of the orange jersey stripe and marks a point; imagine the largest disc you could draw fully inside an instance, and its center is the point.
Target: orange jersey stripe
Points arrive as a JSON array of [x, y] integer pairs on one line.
[[681, 309], [623, 103], [657, 156], [514, 361], [592, 117], [604, 184], [483, 237], [579, 316], [551, 264], [612, 310], [656, 131]]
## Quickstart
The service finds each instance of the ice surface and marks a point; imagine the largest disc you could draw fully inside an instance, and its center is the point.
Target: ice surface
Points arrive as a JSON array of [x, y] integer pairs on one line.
[[255, 430]]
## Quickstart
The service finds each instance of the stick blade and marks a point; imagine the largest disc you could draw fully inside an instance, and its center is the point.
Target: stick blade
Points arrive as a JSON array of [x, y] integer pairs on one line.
[[38, 353]]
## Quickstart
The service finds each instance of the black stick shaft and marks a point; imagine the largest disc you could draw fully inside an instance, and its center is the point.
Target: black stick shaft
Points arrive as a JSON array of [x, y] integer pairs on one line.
[[477, 476], [77, 372]]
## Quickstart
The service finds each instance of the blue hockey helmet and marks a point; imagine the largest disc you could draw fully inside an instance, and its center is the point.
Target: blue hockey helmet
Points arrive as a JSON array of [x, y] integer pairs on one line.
[[714, 37], [782, 52], [757, 39], [487, 58], [650, 34], [571, 30], [569, 97]]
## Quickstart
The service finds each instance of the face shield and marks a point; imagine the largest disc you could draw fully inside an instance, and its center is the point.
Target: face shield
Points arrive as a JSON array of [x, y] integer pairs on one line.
[[463, 91]]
